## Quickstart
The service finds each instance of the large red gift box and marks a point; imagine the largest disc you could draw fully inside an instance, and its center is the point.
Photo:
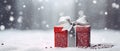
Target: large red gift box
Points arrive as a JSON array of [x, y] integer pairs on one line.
[[60, 37], [82, 35]]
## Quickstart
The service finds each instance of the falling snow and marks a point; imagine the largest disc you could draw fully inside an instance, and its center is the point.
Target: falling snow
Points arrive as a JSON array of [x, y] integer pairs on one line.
[[5, 1], [81, 13], [21, 13], [24, 6], [106, 13], [8, 7], [47, 26], [42, 7], [2, 27], [105, 28], [19, 20], [94, 1], [11, 18], [115, 5], [61, 14], [38, 8], [40, 0]]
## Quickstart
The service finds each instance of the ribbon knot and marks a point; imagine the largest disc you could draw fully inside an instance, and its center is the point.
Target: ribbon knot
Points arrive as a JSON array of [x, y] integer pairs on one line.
[[68, 24]]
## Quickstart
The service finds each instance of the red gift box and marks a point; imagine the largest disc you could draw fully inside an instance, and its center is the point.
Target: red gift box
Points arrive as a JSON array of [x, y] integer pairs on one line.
[[60, 37], [83, 35]]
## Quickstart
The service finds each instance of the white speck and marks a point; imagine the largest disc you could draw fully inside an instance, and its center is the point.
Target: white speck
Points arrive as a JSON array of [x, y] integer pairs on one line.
[[5, 1], [105, 28], [11, 13], [81, 12], [61, 14], [19, 20], [71, 35], [20, 13], [115, 5], [71, 31], [8, 7], [2, 27], [94, 1], [38, 8], [42, 7], [47, 26], [106, 13], [40, 0], [11, 18], [24, 6]]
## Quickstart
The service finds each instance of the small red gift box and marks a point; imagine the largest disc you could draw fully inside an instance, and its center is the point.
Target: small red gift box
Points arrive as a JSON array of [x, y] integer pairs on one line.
[[60, 37], [83, 35]]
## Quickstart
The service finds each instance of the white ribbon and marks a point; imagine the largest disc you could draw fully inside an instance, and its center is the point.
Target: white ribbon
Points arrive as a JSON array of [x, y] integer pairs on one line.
[[67, 23]]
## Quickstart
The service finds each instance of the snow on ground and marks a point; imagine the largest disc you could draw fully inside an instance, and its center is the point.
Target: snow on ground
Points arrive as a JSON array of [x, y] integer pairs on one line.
[[38, 40]]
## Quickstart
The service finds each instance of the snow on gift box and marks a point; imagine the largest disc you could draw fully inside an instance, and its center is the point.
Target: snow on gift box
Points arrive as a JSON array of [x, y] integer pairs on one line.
[[82, 32], [61, 34], [72, 34]]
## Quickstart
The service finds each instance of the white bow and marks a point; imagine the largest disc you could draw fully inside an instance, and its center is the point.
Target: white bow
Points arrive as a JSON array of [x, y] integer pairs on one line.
[[67, 23]]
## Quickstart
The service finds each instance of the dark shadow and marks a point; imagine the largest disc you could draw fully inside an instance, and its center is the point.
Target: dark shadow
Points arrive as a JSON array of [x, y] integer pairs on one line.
[[101, 46]]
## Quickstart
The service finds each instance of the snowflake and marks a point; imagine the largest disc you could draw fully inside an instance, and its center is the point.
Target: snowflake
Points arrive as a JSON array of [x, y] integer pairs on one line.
[[105, 28], [81, 12], [106, 13], [61, 13], [2, 27], [115, 5], [8, 7], [94, 1], [24, 6], [40, 0], [47, 25], [38, 8], [11, 18], [71, 35], [5, 1], [19, 20], [42, 7]]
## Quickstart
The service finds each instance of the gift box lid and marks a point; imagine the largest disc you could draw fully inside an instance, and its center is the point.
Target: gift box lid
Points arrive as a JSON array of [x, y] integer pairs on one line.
[[59, 29], [82, 28]]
